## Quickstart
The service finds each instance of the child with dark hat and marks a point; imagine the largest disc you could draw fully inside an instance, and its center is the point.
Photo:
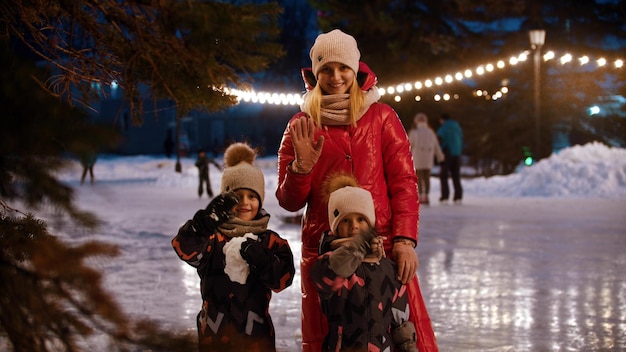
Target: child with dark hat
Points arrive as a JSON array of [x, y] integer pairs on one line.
[[239, 260], [364, 302]]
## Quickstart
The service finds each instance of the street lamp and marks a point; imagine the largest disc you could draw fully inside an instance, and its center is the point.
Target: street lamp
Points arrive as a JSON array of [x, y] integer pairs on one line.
[[537, 38]]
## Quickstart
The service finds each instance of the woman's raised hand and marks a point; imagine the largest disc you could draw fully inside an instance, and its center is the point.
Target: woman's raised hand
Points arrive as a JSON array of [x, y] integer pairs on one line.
[[307, 150]]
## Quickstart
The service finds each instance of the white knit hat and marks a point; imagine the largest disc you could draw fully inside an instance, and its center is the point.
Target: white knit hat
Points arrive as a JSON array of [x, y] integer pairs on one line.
[[347, 200], [239, 171], [335, 46]]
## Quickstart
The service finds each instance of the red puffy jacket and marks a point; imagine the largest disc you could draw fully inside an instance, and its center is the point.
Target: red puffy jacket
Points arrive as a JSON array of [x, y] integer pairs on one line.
[[378, 153]]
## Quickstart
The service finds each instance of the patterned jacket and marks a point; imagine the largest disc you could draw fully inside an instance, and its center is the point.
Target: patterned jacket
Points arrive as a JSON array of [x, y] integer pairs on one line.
[[363, 308], [235, 317]]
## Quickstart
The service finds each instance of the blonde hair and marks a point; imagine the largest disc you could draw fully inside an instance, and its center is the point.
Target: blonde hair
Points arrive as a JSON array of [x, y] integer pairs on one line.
[[313, 105]]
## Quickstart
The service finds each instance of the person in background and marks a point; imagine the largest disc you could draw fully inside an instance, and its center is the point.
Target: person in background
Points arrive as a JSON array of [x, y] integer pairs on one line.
[[425, 149], [239, 260], [168, 143], [343, 128], [88, 161], [202, 163], [451, 136], [372, 315]]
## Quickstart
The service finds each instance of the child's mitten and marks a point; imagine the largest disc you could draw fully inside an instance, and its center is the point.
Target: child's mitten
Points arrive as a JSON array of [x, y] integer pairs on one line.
[[255, 253], [219, 211], [404, 337]]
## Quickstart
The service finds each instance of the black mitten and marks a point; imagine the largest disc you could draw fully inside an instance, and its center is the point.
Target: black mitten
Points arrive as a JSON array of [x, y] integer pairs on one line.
[[326, 242], [255, 253], [219, 211]]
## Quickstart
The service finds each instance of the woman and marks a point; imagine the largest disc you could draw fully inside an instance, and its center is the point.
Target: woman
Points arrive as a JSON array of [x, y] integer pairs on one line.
[[425, 148], [342, 128]]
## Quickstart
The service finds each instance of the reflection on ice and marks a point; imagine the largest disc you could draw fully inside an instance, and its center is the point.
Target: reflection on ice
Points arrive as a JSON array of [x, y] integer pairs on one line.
[[515, 273], [191, 284], [499, 282]]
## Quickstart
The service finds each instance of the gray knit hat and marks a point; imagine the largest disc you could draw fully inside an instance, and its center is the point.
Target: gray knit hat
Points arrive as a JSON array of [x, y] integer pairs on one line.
[[349, 199], [239, 171], [335, 46]]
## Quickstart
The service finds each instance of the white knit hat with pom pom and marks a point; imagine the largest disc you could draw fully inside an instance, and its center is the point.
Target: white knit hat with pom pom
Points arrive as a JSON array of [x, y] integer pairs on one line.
[[346, 197], [239, 171]]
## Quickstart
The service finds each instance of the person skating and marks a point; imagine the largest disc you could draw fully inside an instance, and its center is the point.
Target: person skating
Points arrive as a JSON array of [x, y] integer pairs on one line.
[[451, 136], [425, 149], [202, 163]]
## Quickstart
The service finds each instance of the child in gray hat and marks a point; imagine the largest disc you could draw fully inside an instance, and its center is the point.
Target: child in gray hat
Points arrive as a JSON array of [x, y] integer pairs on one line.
[[239, 260]]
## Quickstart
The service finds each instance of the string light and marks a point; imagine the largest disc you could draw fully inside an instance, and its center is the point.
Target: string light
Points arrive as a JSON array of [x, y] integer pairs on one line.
[[250, 96], [566, 59]]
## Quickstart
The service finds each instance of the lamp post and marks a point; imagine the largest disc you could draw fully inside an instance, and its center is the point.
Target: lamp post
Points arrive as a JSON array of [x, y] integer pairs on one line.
[[537, 38]]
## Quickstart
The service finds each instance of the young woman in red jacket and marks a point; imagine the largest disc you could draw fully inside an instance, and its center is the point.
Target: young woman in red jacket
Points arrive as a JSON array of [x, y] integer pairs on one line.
[[343, 128]]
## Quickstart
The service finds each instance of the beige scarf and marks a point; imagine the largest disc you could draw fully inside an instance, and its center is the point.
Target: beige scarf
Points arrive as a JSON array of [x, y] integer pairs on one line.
[[335, 107], [236, 227]]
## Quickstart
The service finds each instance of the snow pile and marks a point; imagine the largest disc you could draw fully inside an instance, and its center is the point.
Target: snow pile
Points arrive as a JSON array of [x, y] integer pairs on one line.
[[236, 267], [589, 171]]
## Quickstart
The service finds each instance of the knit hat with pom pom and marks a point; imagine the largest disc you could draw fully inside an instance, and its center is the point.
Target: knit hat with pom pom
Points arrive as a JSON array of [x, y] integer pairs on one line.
[[346, 197], [239, 171]]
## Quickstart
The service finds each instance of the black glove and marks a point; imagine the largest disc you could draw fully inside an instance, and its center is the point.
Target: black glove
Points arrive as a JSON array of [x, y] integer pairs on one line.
[[326, 242], [219, 211], [255, 253]]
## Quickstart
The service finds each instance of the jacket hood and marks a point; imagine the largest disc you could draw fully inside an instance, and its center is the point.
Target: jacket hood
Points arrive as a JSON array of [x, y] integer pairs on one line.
[[365, 77]]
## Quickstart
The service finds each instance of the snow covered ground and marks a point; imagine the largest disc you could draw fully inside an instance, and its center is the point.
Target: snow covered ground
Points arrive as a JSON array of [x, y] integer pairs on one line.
[[533, 261]]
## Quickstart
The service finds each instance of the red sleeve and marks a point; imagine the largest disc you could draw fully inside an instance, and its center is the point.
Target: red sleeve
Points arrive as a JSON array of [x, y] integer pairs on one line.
[[401, 178]]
